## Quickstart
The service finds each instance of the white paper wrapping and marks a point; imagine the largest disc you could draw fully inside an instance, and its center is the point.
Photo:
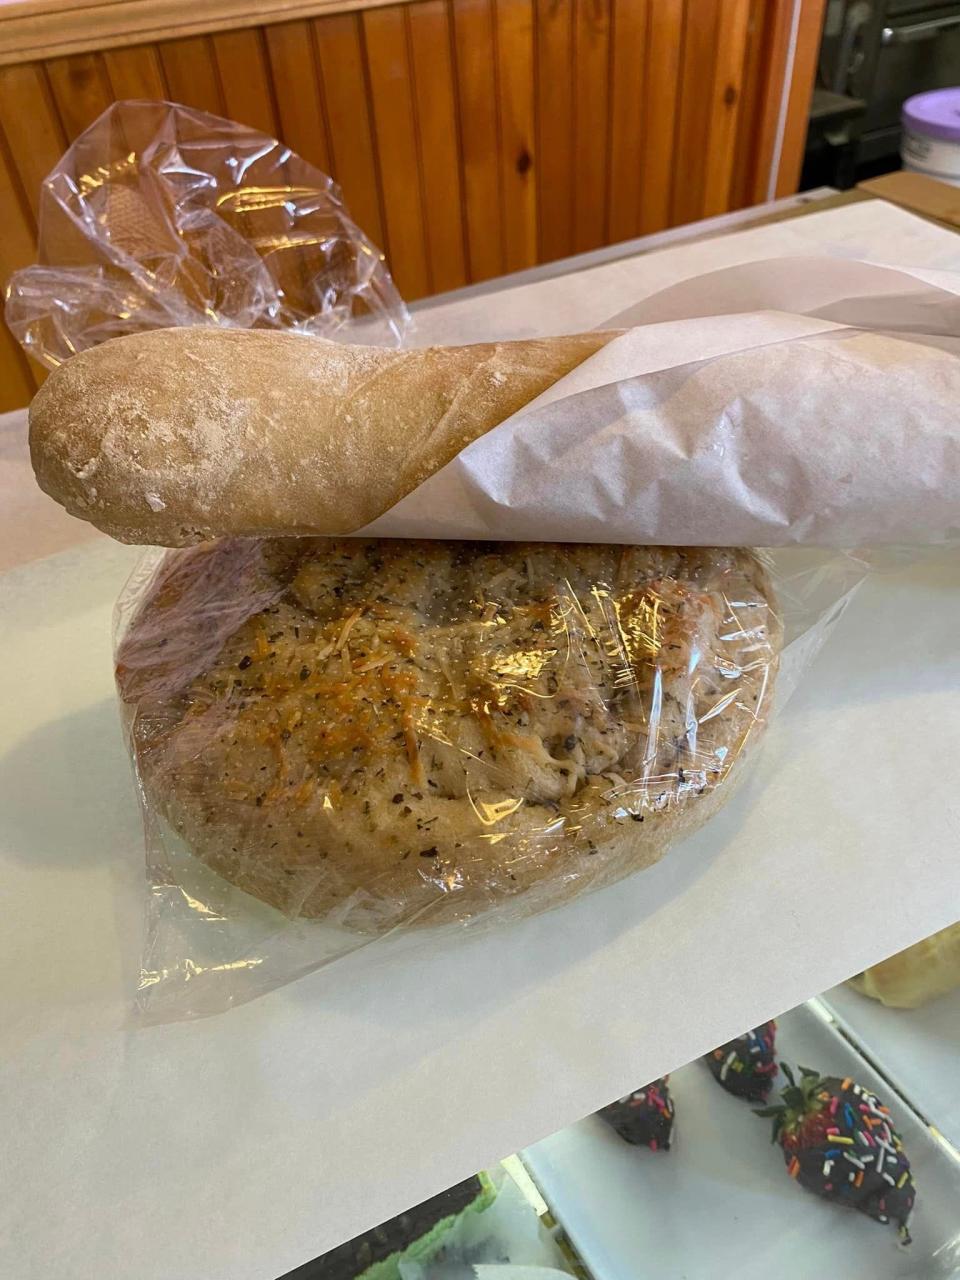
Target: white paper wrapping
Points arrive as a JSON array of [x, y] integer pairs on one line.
[[774, 403]]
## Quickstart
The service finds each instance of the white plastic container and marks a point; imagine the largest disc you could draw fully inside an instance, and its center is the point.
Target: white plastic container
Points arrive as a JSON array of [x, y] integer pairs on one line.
[[931, 135]]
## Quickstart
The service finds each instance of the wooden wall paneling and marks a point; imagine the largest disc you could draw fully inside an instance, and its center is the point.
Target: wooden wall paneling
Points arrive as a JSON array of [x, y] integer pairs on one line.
[[725, 106], [17, 249], [395, 129], [800, 91], [17, 381], [554, 154], [191, 73], [245, 79], [476, 55], [135, 72], [700, 34], [296, 86], [661, 92], [516, 98], [746, 142], [81, 90], [778, 17], [353, 158], [591, 94], [628, 48], [31, 125], [435, 99]]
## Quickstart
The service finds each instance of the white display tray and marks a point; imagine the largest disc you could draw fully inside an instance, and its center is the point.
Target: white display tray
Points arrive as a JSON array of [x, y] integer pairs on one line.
[[918, 1049], [720, 1202]]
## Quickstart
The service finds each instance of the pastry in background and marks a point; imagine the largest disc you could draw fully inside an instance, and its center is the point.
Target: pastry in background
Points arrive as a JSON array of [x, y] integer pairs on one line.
[[839, 1142], [643, 1118], [746, 1066], [910, 978]]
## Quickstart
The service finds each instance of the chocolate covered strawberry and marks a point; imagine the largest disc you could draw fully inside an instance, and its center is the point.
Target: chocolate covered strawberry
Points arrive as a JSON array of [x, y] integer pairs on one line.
[[644, 1117], [838, 1141], [747, 1065]]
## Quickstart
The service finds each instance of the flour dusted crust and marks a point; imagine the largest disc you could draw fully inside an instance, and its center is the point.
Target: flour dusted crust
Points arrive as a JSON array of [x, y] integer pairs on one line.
[[381, 732], [177, 436]]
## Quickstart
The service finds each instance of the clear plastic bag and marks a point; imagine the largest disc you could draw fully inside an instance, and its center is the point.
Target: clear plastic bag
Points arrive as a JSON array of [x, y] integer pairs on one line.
[[159, 215], [335, 742], [339, 740]]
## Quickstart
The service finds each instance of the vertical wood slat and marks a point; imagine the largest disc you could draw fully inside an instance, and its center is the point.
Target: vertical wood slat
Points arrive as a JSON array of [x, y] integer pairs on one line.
[[80, 90], [725, 105], [515, 99], [554, 154], [476, 54], [629, 36], [591, 85], [245, 79], [799, 93], [343, 75], [778, 18], [661, 94], [700, 34], [191, 73], [295, 74], [748, 133], [395, 126], [31, 125], [17, 249], [436, 113], [135, 73]]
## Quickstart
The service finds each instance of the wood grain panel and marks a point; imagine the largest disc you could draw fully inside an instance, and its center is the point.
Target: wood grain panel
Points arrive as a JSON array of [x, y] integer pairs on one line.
[[31, 126], [476, 58], [799, 92], [437, 120], [555, 127], [778, 19], [346, 95], [135, 73], [662, 88], [746, 150], [395, 127], [700, 34], [591, 87], [191, 73], [17, 383], [17, 249], [298, 91], [516, 102], [628, 46], [725, 103], [245, 79], [31, 30], [81, 90]]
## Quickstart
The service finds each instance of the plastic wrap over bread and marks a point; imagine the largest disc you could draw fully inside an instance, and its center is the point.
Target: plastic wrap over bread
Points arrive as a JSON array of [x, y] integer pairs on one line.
[[337, 740], [159, 215], [383, 733]]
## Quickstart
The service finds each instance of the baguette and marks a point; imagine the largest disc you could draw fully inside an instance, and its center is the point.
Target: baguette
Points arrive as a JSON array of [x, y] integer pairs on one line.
[[178, 436]]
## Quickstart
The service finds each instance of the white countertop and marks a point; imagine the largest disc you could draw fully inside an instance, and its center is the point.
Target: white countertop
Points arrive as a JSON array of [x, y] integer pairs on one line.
[[238, 1147]]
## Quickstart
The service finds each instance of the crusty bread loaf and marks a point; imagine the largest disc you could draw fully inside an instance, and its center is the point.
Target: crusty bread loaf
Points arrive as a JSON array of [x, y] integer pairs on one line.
[[380, 732], [176, 436]]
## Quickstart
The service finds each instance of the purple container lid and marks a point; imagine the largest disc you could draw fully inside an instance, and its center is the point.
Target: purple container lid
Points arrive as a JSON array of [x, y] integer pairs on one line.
[[934, 115]]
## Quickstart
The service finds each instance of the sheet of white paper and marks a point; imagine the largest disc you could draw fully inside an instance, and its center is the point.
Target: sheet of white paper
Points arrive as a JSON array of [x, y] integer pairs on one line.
[[793, 401], [239, 1147]]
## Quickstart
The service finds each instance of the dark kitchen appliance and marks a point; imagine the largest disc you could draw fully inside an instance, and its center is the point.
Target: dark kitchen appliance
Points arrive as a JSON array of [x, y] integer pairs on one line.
[[874, 55]]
